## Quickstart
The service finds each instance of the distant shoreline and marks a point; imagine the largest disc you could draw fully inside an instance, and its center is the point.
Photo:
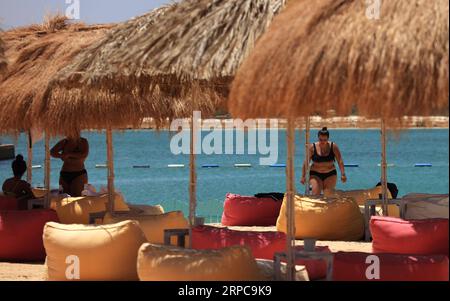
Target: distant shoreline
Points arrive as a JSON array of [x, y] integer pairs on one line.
[[344, 123]]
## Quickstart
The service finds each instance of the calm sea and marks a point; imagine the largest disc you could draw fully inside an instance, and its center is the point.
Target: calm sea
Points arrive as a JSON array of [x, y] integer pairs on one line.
[[169, 186]]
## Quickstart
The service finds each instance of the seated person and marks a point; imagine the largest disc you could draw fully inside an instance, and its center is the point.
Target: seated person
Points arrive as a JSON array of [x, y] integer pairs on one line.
[[15, 186]]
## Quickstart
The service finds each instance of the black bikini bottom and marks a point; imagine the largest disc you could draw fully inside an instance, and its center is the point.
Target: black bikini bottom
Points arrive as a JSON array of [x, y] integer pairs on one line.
[[323, 176], [69, 176]]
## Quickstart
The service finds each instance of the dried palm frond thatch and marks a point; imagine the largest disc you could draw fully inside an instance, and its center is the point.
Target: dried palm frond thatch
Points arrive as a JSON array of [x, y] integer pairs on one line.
[[35, 53], [330, 54], [172, 60]]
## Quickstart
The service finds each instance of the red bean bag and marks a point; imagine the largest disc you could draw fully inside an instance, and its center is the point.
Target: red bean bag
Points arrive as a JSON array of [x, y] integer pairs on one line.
[[250, 211], [420, 237], [8, 203], [21, 234], [263, 244], [352, 266], [316, 268]]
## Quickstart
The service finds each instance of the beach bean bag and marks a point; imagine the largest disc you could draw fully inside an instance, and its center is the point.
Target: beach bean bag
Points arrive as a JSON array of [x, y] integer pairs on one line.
[[167, 263], [425, 206], [153, 226], [8, 203], [316, 268], [324, 218], [21, 234], [76, 210], [361, 195], [263, 244], [250, 211], [92, 252], [420, 237], [146, 209], [356, 266]]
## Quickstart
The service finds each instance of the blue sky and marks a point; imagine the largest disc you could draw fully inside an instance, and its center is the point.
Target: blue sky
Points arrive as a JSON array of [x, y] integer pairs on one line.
[[15, 13]]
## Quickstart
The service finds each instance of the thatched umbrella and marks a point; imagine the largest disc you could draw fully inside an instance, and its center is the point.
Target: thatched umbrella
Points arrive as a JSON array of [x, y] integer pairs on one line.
[[3, 61], [185, 55], [35, 54], [331, 54]]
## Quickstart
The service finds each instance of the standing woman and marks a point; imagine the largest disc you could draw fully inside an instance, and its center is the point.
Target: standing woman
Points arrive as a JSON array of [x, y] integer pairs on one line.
[[73, 151], [323, 174]]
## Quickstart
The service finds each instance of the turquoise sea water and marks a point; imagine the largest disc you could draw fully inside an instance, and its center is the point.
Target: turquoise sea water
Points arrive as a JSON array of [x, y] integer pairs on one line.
[[169, 186]]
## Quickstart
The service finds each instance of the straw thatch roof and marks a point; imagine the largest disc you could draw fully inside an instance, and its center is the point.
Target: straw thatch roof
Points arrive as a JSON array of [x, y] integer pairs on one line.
[[35, 54], [3, 61], [327, 54], [176, 58]]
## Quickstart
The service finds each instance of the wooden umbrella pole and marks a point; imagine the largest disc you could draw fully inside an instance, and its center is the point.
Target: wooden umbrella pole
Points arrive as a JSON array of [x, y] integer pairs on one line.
[[30, 158], [192, 181], [307, 167], [47, 171], [290, 191], [384, 167], [110, 158]]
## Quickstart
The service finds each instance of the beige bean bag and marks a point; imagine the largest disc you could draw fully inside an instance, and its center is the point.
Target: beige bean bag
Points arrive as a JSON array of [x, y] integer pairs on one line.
[[146, 209], [153, 226], [425, 206], [76, 210], [324, 218], [107, 252], [166, 263], [361, 195]]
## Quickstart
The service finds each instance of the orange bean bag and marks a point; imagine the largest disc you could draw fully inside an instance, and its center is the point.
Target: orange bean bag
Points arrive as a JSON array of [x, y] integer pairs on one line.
[[352, 266], [250, 211], [21, 234], [421, 237], [263, 244]]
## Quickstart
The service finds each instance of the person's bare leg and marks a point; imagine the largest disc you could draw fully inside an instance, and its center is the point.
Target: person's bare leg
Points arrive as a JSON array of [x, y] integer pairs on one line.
[[77, 185], [66, 187], [330, 183], [316, 184]]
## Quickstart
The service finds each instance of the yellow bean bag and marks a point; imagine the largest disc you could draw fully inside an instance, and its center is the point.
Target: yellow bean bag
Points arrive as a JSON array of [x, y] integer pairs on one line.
[[153, 226], [361, 195], [107, 252], [167, 263], [324, 218], [76, 210]]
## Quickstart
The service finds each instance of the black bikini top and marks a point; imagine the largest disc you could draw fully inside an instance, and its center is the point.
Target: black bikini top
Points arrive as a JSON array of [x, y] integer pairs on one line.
[[329, 158]]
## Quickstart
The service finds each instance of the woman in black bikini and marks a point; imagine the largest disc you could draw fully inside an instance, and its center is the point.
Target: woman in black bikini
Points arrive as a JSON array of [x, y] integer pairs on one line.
[[15, 186], [323, 174], [73, 151]]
